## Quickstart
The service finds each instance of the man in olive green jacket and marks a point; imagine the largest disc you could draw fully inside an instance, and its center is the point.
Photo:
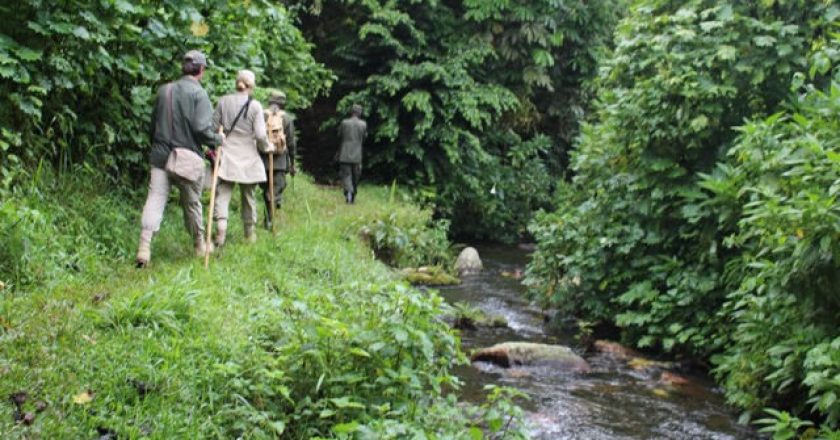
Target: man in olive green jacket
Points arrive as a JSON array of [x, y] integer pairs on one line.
[[182, 118], [283, 163], [353, 132]]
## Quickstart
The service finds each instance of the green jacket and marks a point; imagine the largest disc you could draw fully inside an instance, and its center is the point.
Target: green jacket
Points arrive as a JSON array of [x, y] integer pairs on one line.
[[190, 124], [353, 132], [282, 161]]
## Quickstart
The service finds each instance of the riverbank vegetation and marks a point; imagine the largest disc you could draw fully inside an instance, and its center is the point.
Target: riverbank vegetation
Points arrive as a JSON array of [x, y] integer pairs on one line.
[[301, 335], [702, 217]]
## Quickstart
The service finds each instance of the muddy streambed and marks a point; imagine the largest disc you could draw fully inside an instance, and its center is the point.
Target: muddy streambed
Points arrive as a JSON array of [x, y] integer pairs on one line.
[[615, 400]]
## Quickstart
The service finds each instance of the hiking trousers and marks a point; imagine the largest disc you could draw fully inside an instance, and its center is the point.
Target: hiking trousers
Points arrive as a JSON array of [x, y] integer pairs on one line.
[[350, 174], [279, 187], [224, 192], [190, 192]]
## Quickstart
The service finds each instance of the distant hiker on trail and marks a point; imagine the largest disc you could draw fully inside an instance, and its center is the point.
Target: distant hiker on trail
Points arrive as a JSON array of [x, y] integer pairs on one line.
[[284, 158], [181, 122], [353, 132], [241, 117]]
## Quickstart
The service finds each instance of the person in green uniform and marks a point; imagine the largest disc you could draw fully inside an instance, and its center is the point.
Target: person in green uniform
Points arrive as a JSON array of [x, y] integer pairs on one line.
[[352, 132], [284, 163], [181, 118]]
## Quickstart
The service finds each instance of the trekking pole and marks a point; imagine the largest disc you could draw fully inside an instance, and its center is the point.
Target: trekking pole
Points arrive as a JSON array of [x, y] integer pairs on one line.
[[271, 210], [212, 204]]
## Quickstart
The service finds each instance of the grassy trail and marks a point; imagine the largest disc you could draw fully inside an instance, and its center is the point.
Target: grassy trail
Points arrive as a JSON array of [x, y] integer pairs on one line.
[[303, 334]]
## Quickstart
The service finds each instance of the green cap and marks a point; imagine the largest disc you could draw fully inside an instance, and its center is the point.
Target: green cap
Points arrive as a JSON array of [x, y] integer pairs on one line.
[[276, 96]]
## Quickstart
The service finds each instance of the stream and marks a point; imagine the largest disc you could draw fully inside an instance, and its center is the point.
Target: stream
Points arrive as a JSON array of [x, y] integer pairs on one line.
[[613, 401]]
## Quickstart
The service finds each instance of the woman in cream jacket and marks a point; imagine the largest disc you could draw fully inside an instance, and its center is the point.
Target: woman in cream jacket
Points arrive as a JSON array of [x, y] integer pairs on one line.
[[240, 160]]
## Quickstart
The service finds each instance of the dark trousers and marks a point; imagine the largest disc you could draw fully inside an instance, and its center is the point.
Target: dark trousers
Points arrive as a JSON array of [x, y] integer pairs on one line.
[[350, 174], [279, 187]]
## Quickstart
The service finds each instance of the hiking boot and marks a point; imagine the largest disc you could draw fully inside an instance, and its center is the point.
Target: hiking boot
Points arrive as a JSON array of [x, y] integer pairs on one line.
[[250, 234], [221, 234], [144, 249], [144, 253], [201, 247]]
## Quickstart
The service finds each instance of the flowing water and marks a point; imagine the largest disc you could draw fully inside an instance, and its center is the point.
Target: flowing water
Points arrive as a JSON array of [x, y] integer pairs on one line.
[[613, 401]]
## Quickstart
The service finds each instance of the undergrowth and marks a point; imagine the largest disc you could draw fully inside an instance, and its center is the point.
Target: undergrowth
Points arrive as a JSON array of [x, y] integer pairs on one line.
[[301, 335]]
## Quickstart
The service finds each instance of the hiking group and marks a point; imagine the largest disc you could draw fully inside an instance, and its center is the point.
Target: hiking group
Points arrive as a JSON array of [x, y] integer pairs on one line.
[[248, 146]]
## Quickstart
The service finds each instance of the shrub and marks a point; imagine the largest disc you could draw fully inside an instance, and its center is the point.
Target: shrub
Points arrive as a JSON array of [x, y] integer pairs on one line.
[[409, 241], [780, 182], [626, 229], [695, 237], [49, 235]]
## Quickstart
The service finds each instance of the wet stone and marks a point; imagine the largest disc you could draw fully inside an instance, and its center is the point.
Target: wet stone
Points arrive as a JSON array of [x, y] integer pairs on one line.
[[468, 262], [429, 276], [509, 354]]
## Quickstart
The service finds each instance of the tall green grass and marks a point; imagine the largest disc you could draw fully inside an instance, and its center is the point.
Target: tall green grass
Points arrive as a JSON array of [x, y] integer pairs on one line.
[[301, 335]]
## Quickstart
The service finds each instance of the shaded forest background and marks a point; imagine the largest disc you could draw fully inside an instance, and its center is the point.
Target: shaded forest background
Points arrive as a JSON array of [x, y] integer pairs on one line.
[[683, 157]]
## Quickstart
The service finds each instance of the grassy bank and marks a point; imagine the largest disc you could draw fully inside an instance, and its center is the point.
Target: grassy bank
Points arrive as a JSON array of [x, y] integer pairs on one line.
[[303, 334]]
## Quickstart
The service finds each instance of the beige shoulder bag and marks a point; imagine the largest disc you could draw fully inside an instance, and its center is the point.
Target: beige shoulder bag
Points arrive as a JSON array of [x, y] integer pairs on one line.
[[182, 162]]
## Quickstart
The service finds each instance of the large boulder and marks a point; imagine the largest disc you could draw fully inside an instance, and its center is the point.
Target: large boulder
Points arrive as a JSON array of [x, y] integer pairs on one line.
[[510, 354], [468, 262]]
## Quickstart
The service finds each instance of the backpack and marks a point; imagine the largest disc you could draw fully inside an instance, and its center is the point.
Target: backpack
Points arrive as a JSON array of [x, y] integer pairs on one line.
[[274, 129]]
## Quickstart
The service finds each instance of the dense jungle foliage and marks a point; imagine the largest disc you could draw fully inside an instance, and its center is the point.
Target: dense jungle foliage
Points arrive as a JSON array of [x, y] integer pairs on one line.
[[78, 75], [702, 216], [685, 156], [473, 104]]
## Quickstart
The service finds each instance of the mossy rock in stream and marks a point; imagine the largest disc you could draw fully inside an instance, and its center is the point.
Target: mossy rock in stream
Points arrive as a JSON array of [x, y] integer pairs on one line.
[[429, 276], [511, 354], [473, 318]]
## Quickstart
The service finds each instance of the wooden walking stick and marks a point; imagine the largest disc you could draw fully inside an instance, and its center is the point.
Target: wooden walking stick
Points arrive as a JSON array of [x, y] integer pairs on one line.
[[271, 210], [212, 204]]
